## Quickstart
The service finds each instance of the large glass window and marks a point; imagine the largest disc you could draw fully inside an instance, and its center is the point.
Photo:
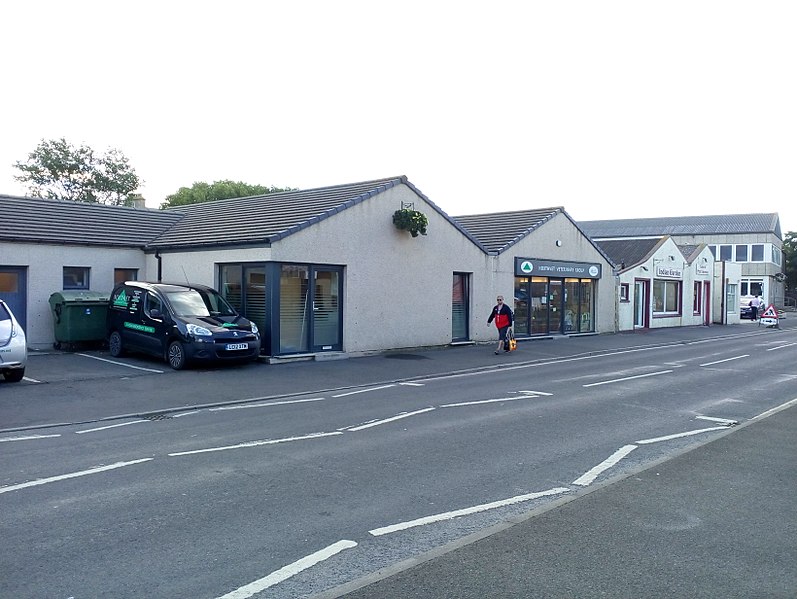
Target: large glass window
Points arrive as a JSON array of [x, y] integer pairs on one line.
[[230, 286], [757, 252], [587, 324], [294, 298], [571, 317], [741, 253], [255, 298], [731, 298], [459, 307], [666, 297]]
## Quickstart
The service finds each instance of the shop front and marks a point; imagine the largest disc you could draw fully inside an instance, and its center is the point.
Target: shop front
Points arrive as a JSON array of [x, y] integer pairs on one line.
[[554, 297]]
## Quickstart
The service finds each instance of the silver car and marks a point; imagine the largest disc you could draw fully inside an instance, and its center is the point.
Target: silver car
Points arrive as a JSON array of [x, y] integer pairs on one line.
[[13, 349]]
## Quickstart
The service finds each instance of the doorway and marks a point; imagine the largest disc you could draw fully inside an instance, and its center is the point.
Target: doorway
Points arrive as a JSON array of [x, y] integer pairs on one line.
[[13, 290], [310, 308], [641, 303]]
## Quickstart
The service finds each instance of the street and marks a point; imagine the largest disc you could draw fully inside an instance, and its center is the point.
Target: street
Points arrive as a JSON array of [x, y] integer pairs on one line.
[[123, 478]]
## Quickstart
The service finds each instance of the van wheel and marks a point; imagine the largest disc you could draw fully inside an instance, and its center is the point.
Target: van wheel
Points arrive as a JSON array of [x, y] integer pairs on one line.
[[176, 355], [115, 344], [14, 376]]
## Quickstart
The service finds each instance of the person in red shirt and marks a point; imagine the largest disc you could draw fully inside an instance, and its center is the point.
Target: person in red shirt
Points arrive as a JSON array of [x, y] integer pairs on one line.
[[502, 314]]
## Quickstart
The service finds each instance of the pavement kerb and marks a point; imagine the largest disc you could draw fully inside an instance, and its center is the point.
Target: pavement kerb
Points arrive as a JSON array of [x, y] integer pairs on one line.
[[579, 494]]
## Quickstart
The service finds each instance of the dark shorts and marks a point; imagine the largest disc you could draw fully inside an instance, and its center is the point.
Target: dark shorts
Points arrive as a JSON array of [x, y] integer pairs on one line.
[[502, 333]]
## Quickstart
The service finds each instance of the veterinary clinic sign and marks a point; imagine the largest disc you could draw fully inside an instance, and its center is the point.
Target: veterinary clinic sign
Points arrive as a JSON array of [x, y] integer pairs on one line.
[[668, 272], [529, 267]]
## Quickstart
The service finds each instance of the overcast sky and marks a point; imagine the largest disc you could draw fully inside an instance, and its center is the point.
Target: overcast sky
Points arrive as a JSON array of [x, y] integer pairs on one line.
[[610, 109]]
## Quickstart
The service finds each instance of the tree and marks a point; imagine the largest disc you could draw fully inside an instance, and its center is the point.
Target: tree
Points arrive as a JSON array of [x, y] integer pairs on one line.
[[790, 260], [57, 169], [218, 190]]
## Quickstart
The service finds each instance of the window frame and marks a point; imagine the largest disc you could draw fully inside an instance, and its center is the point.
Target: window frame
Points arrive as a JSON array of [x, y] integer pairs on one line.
[[82, 277], [677, 286]]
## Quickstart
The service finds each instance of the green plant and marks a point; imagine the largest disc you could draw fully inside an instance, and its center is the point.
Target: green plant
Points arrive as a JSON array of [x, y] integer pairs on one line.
[[410, 220]]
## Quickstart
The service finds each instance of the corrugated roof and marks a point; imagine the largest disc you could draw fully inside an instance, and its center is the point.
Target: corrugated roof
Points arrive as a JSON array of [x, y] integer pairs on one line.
[[266, 218], [625, 253], [499, 230], [684, 225], [40, 220]]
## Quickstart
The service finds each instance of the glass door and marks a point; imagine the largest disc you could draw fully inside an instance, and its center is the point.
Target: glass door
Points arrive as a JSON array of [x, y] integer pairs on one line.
[[555, 303], [539, 306], [639, 304], [326, 314]]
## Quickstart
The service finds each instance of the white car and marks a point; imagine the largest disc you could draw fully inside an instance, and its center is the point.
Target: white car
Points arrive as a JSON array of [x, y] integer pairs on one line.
[[13, 349]]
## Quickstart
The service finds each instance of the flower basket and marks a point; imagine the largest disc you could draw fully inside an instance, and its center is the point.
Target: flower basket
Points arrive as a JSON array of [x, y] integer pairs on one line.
[[410, 220]]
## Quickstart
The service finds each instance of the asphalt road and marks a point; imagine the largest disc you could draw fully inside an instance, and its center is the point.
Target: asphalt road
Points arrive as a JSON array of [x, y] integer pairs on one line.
[[296, 479]]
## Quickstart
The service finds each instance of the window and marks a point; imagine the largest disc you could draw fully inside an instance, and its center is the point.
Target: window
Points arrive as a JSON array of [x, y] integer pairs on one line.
[[725, 253], [459, 306], [696, 308], [741, 253], [76, 277], [120, 275], [666, 297], [713, 249], [153, 302], [624, 292], [731, 298], [776, 255], [757, 253]]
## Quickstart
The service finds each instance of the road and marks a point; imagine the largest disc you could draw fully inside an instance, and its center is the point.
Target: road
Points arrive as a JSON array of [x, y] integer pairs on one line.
[[245, 489]]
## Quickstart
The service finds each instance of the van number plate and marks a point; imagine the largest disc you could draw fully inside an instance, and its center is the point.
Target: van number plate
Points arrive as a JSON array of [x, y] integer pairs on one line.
[[237, 346]]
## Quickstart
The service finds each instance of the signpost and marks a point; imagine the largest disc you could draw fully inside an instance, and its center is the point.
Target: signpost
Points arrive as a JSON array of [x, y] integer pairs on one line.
[[770, 317]]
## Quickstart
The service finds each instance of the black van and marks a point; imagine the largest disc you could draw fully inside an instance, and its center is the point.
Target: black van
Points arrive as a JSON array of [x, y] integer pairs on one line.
[[179, 323]]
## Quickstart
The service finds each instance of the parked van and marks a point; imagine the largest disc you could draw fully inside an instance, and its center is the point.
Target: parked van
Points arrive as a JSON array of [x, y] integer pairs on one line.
[[179, 323]]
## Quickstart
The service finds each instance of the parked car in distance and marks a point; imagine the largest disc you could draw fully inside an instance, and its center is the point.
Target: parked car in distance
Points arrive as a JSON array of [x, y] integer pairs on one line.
[[178, 323], [13, 346]]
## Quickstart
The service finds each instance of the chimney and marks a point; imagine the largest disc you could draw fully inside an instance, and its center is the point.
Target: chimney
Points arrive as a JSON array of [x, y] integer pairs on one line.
[[139, 203]]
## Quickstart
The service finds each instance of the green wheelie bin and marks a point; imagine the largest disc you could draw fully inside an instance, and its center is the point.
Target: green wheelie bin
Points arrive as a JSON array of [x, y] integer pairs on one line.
[[78, 317]]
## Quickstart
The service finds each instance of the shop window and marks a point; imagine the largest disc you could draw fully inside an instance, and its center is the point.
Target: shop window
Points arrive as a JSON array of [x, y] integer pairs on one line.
[[624, 292], [757, 252], [666, 297], [76, 277], [120, 275]]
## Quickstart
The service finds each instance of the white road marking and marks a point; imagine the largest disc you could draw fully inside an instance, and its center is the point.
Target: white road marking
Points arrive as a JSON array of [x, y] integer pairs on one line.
[[255, 444], [536, 392], [186, 414], [412, 384], [481, 401], [781, 346], [27, 378], [52, 479], [679, 435], [266, 405], [285, 573], [713, 419], [782, 406], [121, 363], [589, 476], [102, 428], [628, 378], [726, 360], [363, 390], [466, 511], [386, 420], [28, 438]]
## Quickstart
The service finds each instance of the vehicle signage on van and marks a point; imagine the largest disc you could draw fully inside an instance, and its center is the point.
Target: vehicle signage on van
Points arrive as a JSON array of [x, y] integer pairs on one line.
[[139, 327]]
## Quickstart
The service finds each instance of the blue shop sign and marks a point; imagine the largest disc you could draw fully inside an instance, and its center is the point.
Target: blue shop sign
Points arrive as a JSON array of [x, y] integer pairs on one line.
[[532, 267]]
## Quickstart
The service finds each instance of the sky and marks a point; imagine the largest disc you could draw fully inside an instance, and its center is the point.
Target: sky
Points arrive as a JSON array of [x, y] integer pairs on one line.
[[614, 109]]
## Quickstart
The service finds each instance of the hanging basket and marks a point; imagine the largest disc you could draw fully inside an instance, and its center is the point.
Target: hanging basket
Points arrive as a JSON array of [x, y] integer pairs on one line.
[[410, 220]]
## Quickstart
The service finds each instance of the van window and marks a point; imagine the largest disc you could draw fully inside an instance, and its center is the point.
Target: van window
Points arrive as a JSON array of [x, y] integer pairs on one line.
[[153, 302], [195, 303]]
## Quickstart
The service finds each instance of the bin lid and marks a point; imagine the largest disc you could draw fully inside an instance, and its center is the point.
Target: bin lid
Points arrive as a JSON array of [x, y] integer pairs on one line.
[[79, 296]]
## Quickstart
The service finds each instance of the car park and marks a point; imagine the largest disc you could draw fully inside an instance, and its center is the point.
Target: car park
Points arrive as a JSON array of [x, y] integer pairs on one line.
[[178, 323], [13, 346]]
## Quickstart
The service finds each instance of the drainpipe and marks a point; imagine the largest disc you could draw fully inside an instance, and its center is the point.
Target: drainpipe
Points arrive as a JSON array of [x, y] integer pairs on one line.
[[723, 314], [160, 265]]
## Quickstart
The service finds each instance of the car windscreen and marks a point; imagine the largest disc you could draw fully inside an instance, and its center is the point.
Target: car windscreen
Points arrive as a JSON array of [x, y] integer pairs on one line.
[[195, 303], [4, 314]]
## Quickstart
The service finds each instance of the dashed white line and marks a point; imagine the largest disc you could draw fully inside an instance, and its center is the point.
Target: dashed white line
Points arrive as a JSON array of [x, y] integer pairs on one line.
[[726, 360], [290, 570], [102, 428], [714, 419], [386, 420], [679, 435], [28, 438], [483, 401], [466, 511], [52, 479], [781, 346], [589, 476], [363, 390], [255, 444], [627, 378], [266, 405]]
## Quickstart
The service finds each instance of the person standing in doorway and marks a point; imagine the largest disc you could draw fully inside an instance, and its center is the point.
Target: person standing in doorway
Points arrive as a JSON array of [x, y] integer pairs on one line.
[[755, 307], [502, 315]]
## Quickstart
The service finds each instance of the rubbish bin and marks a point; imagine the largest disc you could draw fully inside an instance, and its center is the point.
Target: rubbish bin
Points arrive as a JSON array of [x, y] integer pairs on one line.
[[78, 316]]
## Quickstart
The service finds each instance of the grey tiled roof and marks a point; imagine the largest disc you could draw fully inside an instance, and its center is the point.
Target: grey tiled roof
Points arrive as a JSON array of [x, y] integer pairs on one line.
[[65, 222], [684, 225], [499, 230], [267, 218], [625, 253]]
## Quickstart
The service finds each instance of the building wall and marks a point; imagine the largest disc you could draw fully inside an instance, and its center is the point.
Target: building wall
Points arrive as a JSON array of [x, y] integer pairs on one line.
[[45, 265]]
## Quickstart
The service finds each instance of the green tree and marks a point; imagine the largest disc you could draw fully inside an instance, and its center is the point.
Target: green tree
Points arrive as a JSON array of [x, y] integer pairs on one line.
[[790, 260], [57, 169], [218, 190]]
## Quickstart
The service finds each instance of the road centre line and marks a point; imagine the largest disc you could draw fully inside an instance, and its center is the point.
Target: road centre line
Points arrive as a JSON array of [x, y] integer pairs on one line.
[[52, 479], [781, 346], [412, 384], [482, 401], [593, 473], [726, 360], [364, 390], [466, 511], [121, 363], [266, 405], [288, 571], [628, 378], [28, 438], [255, 444], [722, 420], [102, 428], [679, 435], [386, 420], [536, 393]]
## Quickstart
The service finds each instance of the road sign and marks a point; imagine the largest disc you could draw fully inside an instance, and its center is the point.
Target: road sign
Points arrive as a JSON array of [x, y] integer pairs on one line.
[[769, 317]]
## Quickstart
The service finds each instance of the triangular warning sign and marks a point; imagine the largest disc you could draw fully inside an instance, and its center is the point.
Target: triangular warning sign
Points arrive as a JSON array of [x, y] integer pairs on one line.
[[770, 312]]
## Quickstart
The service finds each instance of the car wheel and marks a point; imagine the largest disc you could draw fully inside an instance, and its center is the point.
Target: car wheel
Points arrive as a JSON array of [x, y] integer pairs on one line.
[[176, 355], [115, 344], [14, 376]]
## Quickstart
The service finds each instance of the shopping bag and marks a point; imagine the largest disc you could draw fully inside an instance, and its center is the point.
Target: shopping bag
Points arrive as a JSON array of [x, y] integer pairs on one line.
[[511, 341]]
